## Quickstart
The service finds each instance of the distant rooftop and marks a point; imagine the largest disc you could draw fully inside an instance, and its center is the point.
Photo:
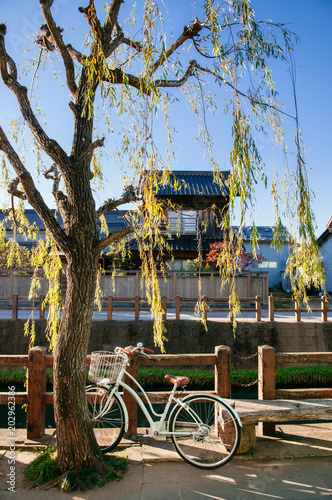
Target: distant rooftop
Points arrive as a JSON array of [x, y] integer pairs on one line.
[[264, 233], [193, 183], [32, 217]]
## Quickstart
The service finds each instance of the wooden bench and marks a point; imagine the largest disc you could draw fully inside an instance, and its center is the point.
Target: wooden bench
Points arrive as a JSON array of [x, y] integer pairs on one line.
[[252, 412]]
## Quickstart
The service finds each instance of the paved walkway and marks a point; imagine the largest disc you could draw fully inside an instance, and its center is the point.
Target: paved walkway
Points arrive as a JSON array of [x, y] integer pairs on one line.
[[296, 464], [312, 317]]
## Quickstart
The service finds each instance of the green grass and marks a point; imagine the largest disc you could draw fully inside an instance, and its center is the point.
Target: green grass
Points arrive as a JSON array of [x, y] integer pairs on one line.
[[19, 376], [155, 378], [310, 375], [44, 471]]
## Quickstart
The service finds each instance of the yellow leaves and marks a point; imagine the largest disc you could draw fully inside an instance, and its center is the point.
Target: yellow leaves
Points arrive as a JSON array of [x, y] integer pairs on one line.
[[4, 173], [104, 226], [45, 255], [14, 254], [29, 330], [99, 293]]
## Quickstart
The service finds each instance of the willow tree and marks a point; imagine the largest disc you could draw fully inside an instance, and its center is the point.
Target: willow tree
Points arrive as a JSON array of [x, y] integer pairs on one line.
[[133, 65]]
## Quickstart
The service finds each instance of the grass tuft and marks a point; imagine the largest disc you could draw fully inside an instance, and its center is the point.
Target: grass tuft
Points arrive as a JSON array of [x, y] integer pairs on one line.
[[44, 471]]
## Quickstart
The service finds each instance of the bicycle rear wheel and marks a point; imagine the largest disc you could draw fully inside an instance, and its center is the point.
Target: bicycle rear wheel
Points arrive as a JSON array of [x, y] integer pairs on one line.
[[207, 433], [107, 419]]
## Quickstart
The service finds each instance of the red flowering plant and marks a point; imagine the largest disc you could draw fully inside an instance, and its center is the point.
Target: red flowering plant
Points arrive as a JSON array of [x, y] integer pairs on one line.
[[219, 251]]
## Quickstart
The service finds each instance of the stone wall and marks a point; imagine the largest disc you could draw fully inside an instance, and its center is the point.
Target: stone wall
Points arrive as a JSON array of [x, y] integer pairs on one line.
[[188, 337]]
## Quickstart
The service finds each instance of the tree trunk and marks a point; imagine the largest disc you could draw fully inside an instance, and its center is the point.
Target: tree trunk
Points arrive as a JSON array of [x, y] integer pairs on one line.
[[77, 447]]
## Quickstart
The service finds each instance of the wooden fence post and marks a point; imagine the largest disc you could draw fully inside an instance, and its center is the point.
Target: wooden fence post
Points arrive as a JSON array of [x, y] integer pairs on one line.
[[266, 382], [223, 371], [164, 299], [271, 308], [137, 308], [41, 308], [15, 306], [258, 308], [130, 402], [177, 308], [324, 309], [109, 307], [36, 391]]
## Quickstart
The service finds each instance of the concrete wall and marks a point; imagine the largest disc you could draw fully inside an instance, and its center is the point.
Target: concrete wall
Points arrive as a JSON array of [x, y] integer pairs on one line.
[[188, 337]]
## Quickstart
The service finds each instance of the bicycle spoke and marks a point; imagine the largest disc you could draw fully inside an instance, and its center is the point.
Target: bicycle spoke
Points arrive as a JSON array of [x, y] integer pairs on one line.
[[107, 419], [214, 431]]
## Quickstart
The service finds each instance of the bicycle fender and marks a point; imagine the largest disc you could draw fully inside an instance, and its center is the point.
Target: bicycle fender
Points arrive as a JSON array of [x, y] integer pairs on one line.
[[125, 411], [231, 409]]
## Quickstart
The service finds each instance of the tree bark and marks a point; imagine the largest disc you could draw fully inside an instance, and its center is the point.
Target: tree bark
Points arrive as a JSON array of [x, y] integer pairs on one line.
[[77, 447]]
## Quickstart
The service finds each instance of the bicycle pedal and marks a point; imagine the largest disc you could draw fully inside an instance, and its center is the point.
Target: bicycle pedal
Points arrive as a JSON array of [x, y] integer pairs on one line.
[[136, 438]]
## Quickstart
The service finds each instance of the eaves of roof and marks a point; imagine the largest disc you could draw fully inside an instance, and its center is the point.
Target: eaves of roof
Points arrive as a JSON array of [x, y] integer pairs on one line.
[[323, 237], [193, 183]]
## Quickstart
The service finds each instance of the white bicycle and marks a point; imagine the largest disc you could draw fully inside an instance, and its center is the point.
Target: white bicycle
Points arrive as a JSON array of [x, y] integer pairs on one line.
[[205, 430]]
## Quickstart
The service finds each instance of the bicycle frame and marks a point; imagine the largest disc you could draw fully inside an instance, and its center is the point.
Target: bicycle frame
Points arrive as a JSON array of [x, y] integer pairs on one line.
[[157, 426]]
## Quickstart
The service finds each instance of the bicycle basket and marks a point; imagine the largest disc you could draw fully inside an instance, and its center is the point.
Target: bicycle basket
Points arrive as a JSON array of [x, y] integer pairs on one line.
[[106, 365]]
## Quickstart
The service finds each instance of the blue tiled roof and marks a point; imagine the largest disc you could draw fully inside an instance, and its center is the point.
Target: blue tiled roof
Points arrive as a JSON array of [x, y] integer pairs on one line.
[[264, 233], [115, 222], [193, 183], [114, 219], [32, 217]]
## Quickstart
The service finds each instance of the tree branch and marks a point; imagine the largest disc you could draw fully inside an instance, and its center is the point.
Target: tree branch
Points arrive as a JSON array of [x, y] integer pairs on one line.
[[12, 189], [111, 20], [189, 32], [128, 196], [117, 76], [91, 16], [76, 54], [113, 237], [50, 146], [178, 83], [90, 149], [59, 44], [32, 194], [53, 173]]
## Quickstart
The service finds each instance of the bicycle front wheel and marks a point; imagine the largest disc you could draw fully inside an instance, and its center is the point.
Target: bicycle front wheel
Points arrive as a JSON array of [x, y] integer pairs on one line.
[[107, 417], [206, 432]]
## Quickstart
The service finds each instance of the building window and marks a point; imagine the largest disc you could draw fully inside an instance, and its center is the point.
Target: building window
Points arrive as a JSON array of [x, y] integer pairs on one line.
[[271, 264], [183, 222]]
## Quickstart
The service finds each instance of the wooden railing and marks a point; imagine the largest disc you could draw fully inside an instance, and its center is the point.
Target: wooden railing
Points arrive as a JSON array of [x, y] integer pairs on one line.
[[36, 397], [189, 306], [297, 309], [179, 305], [267, 361], [37, 361]]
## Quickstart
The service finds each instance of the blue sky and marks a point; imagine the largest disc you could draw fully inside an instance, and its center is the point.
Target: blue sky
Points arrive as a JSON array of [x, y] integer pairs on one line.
[[310, 19]]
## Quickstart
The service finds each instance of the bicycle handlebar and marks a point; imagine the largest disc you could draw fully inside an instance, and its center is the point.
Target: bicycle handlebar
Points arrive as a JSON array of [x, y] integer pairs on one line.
[[130, 350], [148, 351]]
